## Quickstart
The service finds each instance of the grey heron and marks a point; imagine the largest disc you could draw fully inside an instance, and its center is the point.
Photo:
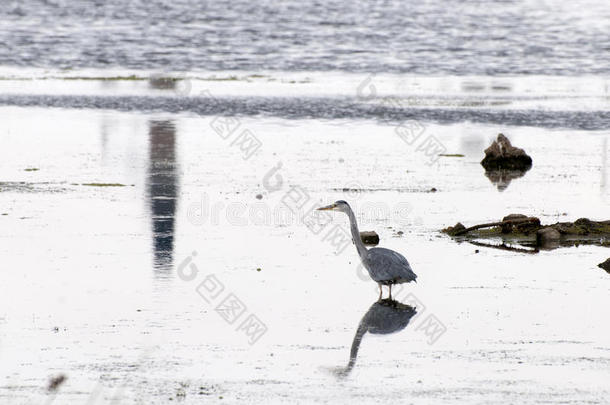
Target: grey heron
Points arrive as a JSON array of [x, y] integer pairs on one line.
[[385, 266]]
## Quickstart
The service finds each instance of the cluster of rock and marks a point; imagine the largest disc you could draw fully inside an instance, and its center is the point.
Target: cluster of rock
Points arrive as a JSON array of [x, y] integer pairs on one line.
[[504, 162], [517, 226]]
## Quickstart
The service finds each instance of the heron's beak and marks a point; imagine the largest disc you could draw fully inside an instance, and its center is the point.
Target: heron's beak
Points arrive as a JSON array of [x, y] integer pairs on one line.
[[327, 208]]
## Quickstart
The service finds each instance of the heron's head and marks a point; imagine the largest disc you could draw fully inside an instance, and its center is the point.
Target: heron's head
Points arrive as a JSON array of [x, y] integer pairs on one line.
[[340, 206]]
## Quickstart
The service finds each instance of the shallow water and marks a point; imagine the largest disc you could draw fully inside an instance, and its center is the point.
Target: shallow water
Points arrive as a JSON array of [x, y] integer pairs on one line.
[[98, 283], [549, 102]]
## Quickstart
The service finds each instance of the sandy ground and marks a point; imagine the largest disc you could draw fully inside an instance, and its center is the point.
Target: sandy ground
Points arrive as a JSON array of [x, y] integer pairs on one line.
[[101, 283]]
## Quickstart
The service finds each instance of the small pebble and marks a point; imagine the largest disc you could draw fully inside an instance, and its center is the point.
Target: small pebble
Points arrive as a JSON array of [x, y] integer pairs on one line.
[[55, 382], [259, 196]]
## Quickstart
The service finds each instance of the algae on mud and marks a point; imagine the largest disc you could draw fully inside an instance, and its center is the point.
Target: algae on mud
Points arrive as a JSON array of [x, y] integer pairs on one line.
[[29, 187], [104, 184]]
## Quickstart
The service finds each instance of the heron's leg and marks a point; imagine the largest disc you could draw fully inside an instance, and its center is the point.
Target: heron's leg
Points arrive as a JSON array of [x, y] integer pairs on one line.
[[380, 292], [390, 285]]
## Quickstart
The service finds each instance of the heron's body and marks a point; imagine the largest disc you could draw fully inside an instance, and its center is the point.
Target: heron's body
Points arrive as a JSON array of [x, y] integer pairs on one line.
[[385, 266]]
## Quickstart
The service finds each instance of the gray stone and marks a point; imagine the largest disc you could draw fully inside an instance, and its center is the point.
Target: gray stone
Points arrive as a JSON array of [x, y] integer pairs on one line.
[[452, 230], [369, 237], [547, 237], [510, 217], [508, 228]]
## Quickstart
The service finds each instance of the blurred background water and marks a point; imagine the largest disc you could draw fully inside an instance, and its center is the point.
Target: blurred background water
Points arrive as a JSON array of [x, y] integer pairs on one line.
[[429, 37]]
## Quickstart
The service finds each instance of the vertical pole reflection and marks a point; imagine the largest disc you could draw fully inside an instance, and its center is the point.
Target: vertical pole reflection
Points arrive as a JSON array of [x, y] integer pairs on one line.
[[162, 189]]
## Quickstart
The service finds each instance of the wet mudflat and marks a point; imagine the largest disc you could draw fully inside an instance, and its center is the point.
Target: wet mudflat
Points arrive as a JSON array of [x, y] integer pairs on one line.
[[148, 257]]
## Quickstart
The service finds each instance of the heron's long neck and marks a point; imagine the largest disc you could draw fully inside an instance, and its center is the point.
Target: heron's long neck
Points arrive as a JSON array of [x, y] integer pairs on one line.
[[356, 233]]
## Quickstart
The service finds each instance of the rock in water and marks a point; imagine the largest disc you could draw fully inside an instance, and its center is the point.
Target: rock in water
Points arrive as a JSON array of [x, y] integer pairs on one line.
[[452, 230], [605, 265], [547, 237], [369, 237], [501, 155], [511, 217], [508, 228], [56, 381]]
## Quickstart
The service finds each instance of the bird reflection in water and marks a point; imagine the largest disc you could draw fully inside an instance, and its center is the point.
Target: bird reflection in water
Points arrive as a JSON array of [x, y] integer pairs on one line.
[[162, 188], [383, 317]]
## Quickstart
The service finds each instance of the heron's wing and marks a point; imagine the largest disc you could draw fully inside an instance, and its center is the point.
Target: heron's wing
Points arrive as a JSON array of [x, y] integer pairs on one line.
[[388, 265]]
